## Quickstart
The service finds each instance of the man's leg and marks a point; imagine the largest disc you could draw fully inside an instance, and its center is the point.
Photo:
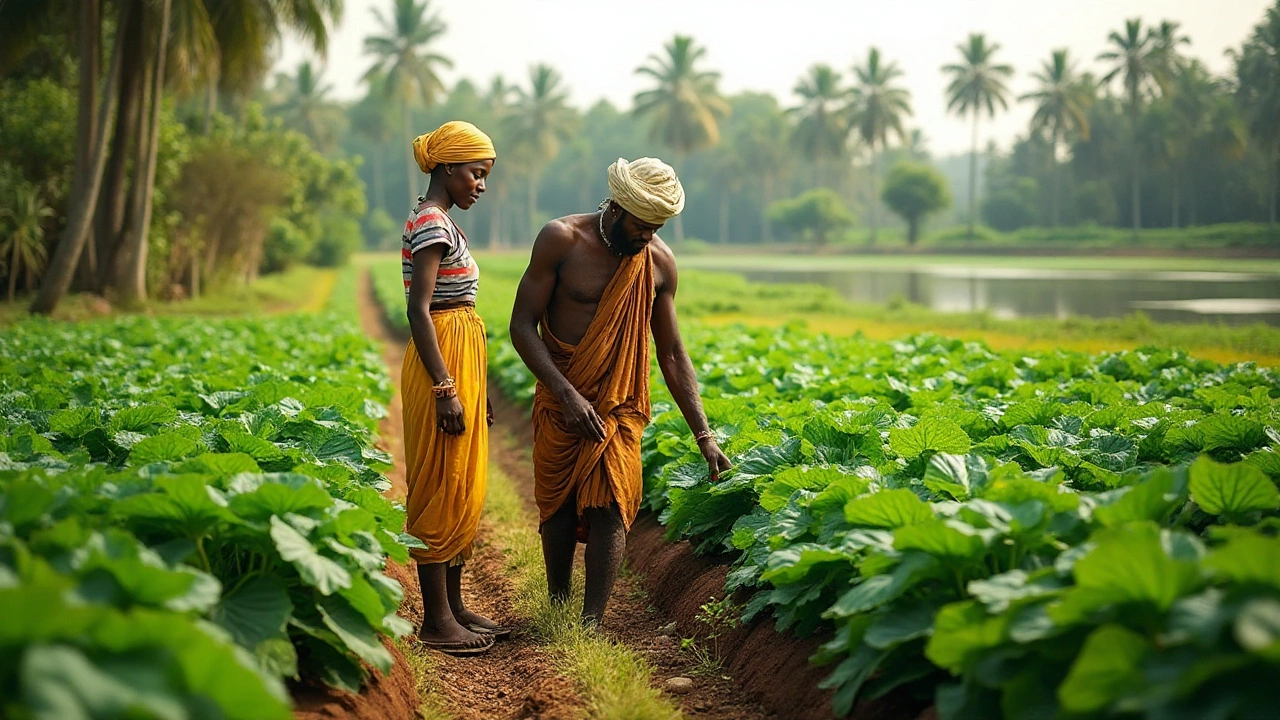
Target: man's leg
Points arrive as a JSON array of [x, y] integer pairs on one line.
[[606, 543], [559, 540]]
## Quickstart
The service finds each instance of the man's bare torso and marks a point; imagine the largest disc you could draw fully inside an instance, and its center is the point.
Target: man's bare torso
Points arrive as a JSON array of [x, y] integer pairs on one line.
[[581, 279]]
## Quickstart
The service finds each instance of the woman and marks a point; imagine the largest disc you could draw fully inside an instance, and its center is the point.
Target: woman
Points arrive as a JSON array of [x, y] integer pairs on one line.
[[446, 412]]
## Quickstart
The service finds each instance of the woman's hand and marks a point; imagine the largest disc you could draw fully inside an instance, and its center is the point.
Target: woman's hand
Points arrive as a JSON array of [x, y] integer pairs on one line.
[[488, 411], [449, 415], [717, 461]]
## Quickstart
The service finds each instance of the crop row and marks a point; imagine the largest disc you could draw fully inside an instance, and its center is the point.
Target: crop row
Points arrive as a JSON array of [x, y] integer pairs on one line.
[[1031, 535], [191, 515]]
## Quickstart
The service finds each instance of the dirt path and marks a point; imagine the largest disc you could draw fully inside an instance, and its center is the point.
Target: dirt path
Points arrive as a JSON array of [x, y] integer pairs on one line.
[[515, 680]]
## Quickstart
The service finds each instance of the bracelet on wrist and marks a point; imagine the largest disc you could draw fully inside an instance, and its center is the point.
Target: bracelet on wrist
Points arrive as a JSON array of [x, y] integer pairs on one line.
[[704, 435], [445, 389]]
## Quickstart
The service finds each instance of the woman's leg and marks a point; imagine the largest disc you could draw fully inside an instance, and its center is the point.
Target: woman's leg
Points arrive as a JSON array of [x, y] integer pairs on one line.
[[453, 584], [438, 623]]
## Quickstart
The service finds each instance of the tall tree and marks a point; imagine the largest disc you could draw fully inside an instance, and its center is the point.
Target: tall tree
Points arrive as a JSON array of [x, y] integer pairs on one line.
[[758, 144], [977, 83], [1062, 109], [1134, 59], [539, 122], [822, 127], [497, 102], [404, 56], [303, 102], [371, 117], [684, 104], [878, 108], [1258, 92]]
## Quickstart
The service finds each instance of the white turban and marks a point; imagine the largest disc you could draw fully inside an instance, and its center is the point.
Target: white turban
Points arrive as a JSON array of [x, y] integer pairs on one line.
[[647, 188]]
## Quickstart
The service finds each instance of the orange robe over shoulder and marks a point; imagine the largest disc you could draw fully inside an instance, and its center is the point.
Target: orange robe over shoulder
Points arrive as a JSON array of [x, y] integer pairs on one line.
[[610, 368]]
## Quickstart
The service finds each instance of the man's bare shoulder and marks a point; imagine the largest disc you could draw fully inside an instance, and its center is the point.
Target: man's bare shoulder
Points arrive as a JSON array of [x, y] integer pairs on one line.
[[663, 257], [558, 237]]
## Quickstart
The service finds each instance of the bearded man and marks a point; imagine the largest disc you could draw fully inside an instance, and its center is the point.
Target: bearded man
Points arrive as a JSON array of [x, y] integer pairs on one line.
[[596, 286]]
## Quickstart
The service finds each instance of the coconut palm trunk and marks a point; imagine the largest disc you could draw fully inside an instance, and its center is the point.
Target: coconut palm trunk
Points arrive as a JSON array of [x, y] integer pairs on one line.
[[1056, 207], [83, 199], [410, 165], [131, 283], [874, 201], [90, 28], [973, 179]]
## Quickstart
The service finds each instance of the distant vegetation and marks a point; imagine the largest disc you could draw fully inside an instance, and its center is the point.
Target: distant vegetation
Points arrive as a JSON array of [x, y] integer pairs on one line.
[[143, 181]]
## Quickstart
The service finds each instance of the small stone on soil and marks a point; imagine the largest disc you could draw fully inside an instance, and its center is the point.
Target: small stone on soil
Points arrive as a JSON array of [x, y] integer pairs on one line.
[[668, 629], [678, 685]]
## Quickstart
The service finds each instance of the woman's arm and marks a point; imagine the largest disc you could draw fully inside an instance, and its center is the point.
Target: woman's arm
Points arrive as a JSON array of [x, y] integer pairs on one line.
[[426, 262]]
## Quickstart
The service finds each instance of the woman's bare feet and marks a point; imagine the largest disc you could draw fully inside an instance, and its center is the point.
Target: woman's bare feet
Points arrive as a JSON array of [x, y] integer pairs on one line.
[[467, 618], [451, 637]]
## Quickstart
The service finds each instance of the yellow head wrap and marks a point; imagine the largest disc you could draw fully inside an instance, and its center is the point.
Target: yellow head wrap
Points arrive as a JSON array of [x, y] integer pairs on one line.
[[456, 141], [647, 188]]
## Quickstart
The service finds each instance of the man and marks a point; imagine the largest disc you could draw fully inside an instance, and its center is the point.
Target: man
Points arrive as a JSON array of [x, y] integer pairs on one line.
[[596, 285]]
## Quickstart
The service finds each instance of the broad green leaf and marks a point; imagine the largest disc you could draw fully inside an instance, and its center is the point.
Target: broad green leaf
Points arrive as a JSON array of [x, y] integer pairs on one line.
[[786, 482], [1129, 565], [1257, 628], [219, 464], [877, 590], [962, 631], [1107, 666], [355, 631], [141, 418], [1248, 560], [169, 446], [254, 612], [887, 509], [255, 447], [258, 496], [948, 474], [931, 434], [900, 624], [318, 571], [1232, 489], [849, 676], [75, 422], [947, 540], [1154, 498]]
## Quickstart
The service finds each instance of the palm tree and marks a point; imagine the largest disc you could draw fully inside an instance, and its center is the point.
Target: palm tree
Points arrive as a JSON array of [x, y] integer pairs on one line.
[[822, 131], [1166, 60], [685, 105], [1192, 95], [304, 104], [757, 143], [1134, 60], [1062, 108], [1258, 93], [539, 122], [403, 57], [371, 118], [497, 103], [22, 242], [976, 83], [878, 108]]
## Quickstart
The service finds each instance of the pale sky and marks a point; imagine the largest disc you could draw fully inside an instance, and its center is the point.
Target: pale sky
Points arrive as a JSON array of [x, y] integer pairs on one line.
[[766, 45]]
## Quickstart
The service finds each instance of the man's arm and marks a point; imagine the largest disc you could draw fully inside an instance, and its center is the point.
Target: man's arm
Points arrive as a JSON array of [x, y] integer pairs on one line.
[[532, 298], [676, 366]]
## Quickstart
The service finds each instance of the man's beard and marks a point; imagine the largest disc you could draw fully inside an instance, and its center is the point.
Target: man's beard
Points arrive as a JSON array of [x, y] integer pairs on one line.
[[623, 244]]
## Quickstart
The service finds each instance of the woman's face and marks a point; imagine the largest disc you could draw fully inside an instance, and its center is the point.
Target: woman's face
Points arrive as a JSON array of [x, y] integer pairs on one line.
[[465, 182]]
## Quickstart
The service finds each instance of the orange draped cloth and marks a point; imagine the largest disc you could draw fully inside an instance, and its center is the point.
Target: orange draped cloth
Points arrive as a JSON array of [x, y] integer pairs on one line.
[[610, 369], [446, 474]]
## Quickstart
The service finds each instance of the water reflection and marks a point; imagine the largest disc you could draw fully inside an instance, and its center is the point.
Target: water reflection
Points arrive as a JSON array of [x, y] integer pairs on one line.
[[1233, 298]]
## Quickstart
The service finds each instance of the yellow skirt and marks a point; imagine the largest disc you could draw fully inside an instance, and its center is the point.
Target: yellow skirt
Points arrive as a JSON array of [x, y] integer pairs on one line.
[[446, 474]]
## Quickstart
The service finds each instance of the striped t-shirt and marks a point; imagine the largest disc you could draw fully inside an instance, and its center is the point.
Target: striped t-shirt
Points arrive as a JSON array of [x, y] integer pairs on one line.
[[458, 277]]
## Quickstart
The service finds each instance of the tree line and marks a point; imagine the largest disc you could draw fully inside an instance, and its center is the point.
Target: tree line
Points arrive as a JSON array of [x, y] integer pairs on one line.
[[1149, 138], [146, 147]]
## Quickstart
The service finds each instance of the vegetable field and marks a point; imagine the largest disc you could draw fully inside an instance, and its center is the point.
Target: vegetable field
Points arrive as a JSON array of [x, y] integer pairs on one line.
[[191, 515], [1028, 535]]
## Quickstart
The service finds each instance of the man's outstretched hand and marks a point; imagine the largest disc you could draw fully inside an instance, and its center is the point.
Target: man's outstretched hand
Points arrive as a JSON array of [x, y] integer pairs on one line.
[[717, 462]]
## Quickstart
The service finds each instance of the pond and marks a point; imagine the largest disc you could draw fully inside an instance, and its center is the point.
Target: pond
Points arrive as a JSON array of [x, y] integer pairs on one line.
[[1010, 292]]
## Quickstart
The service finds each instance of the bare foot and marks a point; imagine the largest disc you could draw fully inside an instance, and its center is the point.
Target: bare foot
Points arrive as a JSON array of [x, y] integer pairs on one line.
[[466, 618], [449, 632]]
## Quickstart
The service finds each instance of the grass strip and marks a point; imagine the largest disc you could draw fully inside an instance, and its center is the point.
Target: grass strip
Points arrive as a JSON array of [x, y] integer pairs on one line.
[[612, 680]]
